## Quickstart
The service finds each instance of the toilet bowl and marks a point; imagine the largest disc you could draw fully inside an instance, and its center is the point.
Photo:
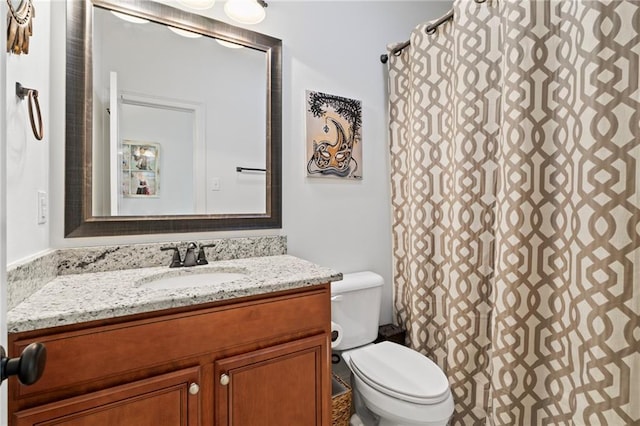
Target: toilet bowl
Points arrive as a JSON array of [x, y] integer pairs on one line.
[[398, 386], [392, 385]]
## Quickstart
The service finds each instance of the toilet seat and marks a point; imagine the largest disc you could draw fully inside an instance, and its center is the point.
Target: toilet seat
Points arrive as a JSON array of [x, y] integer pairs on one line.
[[400, 372]]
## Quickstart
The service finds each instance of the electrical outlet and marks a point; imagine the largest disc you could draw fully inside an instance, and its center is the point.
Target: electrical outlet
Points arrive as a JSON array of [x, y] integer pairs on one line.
[[43, 207], [215, 184]]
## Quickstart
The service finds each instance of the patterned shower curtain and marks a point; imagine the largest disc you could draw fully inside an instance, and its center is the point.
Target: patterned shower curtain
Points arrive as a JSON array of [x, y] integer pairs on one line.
[[515, 176]]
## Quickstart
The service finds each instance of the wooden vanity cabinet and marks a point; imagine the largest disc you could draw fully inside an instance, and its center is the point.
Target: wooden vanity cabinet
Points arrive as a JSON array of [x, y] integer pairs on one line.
[[275, 384], [159, 400], [259, 360]]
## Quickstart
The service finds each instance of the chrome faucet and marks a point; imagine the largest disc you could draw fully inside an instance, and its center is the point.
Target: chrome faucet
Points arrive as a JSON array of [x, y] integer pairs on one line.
[[190, 255]]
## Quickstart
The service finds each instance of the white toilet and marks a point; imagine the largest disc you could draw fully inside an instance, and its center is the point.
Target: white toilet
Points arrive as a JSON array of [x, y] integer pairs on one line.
[[392, 384]]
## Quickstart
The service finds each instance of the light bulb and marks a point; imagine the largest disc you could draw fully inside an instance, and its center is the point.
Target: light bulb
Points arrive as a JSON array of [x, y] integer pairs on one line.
[[184, 33], [130, 18], [229, 44], [245, 11], [198, 4]]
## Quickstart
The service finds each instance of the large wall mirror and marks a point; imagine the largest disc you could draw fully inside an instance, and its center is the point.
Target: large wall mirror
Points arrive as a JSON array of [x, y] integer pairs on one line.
[[173, 122]]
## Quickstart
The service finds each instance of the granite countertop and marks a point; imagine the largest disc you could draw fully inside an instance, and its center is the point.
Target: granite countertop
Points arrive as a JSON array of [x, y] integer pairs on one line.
[[72, 299]]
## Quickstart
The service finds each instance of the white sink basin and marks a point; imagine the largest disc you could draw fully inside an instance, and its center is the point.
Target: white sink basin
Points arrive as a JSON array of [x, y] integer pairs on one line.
[[190, 278]]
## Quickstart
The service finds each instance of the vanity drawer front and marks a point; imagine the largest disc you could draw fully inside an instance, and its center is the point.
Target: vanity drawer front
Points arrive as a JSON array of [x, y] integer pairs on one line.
[[101, 353]]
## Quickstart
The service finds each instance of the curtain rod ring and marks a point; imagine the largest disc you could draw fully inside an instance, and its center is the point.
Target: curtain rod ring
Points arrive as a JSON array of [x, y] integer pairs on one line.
[[430, 29], [480, 1], [39, 131]]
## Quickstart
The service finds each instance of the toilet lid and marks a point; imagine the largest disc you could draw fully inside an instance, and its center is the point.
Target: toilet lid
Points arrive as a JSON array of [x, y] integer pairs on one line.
[[400, 372]]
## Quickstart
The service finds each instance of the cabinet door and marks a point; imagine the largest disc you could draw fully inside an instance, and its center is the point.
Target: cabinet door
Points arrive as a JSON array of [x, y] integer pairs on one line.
[[170, 399], [281, 385]]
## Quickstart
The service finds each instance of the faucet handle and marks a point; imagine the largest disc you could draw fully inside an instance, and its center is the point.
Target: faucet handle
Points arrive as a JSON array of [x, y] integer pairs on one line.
[[202, 257], [176, 261]]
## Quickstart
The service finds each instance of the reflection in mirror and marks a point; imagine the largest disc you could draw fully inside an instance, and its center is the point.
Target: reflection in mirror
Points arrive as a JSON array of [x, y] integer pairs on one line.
[[199, 110], [159, 122]]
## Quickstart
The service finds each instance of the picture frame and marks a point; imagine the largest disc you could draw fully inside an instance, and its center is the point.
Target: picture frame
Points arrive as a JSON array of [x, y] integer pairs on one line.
[[333, 136], [140, 169]]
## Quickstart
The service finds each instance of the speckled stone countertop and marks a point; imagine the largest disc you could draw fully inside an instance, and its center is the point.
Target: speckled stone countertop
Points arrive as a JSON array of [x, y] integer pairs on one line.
[[72, 299]]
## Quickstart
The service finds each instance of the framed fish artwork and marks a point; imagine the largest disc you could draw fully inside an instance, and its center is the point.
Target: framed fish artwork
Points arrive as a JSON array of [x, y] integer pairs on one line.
[[334, 136]]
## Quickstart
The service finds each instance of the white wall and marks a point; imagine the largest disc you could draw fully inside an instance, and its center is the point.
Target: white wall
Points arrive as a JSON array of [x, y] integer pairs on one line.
[[27, 159], [24, 161], [334, 47], [328, 46]]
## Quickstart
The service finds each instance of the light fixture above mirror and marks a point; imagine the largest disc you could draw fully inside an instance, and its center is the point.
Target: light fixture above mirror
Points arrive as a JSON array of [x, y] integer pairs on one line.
[[246, 11], [197, 4], [184, 33], [229, 44], [129, 18]]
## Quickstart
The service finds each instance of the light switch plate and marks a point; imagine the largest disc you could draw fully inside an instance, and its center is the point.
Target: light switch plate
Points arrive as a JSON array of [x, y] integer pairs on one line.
[[215, 184], [43, 207]]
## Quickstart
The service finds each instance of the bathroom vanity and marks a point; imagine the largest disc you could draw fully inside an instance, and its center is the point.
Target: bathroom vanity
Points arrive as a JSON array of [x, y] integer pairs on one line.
[[255, 351]]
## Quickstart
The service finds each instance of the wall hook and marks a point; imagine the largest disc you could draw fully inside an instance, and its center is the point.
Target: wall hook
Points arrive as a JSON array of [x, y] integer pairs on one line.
[[32, 95]]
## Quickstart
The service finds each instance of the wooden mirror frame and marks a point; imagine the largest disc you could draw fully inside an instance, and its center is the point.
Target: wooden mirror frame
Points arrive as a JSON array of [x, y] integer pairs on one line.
[[79, 219], [19, 26]]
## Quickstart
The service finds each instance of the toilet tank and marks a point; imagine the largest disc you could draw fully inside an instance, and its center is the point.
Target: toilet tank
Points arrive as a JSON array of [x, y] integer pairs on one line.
[[355, 307]]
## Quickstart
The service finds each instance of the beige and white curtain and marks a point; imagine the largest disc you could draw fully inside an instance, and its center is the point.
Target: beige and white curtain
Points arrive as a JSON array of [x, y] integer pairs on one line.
[[515, 157]]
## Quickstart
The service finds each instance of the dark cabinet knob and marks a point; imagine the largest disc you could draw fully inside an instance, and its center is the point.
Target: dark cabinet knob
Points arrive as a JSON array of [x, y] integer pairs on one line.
[[29, 366]]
